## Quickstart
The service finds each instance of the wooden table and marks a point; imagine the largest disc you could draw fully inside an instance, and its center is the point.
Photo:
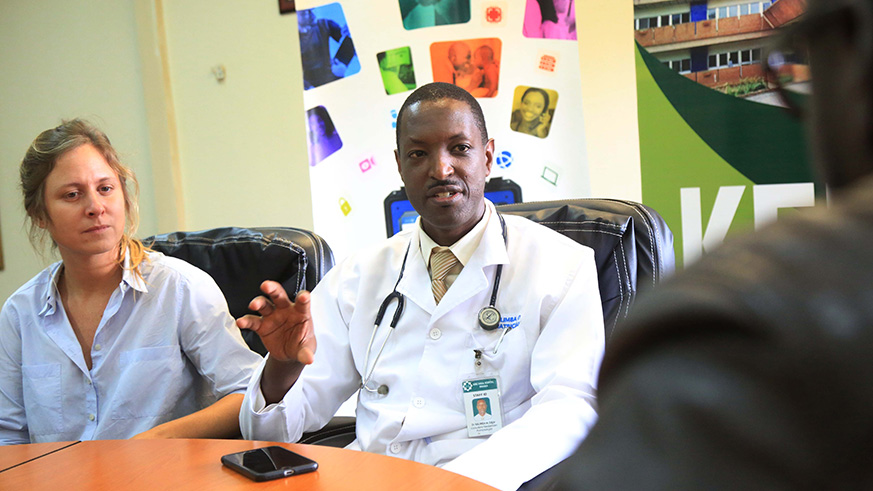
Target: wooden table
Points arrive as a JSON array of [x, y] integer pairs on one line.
[[195, 464], [17, 454]]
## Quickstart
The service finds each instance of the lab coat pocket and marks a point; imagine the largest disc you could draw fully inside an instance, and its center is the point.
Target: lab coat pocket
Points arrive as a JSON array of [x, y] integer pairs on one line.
[[43, 398], [151, 382]]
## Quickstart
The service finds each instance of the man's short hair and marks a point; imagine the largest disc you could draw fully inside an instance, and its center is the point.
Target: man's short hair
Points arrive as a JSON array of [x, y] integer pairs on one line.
[[437, 91]]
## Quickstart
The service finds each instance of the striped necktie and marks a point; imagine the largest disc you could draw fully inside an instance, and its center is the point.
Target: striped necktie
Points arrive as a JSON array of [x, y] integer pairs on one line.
[[441, 262]]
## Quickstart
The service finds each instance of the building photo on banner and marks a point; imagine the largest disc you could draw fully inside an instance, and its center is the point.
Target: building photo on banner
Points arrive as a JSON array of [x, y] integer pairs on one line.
[[361, 60], [721, 147]]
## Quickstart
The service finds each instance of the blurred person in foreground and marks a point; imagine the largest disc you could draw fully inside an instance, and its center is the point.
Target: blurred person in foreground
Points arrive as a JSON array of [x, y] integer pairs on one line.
[[752, 368]]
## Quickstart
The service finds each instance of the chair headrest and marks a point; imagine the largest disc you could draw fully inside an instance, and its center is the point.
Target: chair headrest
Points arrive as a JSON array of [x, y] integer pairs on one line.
[[240, 259], [633, 246]]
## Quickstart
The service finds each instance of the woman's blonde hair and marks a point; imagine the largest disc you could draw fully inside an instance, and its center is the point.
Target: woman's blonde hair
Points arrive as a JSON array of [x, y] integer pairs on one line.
[[40, 160]]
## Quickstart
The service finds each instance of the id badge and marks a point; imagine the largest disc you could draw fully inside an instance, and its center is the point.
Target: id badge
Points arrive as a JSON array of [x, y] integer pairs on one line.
[[482, 406]]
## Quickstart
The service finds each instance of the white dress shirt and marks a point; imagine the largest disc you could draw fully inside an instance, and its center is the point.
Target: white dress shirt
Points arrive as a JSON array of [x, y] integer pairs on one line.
[[463, 249], [165, 348]]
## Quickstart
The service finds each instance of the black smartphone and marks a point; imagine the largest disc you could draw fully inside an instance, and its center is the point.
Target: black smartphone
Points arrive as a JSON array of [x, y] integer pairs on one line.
[[263, 464]]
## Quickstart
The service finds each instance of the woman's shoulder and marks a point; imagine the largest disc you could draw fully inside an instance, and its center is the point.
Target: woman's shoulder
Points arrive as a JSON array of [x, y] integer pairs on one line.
[[27, 297], [37, 285], [159, 267]]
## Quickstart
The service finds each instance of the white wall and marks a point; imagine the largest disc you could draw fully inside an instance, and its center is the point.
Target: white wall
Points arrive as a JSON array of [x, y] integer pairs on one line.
[[62, 60], [242, 144], [609, 97]]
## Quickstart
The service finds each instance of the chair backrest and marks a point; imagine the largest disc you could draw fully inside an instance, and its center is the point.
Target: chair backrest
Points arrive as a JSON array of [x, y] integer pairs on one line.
[[240, 259], [633, 246]]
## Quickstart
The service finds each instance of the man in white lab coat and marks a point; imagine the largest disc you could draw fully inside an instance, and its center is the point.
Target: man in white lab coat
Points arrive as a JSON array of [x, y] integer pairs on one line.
[[537, 364]]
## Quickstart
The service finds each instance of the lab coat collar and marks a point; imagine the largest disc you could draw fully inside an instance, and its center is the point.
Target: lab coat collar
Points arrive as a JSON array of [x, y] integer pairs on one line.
[[493, 249], [416, 285]]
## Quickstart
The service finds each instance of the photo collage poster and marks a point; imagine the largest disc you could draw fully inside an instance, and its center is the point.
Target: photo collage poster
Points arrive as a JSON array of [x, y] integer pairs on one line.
[[361, 60]]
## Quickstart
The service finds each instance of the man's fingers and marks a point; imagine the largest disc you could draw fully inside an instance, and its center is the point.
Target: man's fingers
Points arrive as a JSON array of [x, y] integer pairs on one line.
[[261, 305], [305, 356], [277, 294], [249, 321], [301, 303]]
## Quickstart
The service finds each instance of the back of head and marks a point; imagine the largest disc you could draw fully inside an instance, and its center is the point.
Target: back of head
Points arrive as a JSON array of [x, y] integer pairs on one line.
[[40, 160], [437, 91], [839, 36]]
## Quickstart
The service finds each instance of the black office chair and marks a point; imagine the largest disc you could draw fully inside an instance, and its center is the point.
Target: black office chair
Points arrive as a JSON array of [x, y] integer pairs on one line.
[[633, 252], [633, 246], [240, 259]]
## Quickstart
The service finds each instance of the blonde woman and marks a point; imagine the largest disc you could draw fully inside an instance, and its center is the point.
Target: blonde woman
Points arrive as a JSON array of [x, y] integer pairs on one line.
[[113, 341]]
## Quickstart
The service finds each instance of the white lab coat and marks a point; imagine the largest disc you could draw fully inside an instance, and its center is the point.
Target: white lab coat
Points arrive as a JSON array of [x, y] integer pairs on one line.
[[547, 366]]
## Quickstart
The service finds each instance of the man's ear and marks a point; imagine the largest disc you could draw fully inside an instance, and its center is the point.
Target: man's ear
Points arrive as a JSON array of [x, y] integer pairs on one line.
[[489, 156], [397, 158]]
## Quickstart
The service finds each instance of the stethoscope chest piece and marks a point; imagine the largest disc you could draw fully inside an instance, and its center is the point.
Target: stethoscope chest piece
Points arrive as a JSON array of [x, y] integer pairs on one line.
[[489, 318]]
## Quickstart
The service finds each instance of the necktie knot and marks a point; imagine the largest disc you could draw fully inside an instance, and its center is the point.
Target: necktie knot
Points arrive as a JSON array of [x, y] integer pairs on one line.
[[441, 262]]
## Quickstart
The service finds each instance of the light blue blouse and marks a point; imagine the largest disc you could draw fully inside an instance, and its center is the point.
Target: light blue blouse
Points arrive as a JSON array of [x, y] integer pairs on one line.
[[165, 348]]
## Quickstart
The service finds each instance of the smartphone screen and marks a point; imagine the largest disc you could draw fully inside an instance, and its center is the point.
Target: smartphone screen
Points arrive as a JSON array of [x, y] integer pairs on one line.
[[269, 463]]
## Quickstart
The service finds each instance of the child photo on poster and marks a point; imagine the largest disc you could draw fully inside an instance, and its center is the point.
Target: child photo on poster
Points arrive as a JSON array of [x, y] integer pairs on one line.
[[472, 64]]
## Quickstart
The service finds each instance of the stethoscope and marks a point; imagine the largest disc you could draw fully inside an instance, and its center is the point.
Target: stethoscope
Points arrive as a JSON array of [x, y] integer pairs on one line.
[[489, 317]]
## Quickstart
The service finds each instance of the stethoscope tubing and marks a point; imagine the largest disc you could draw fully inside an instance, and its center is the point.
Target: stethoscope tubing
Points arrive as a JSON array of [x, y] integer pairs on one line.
[[398, 310], [401, 303]]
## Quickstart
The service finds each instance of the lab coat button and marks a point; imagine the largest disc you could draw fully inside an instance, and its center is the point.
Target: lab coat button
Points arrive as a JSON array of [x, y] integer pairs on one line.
[[91, 417], [395, 448], [418, 402], [435, 333], [97, 347]]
